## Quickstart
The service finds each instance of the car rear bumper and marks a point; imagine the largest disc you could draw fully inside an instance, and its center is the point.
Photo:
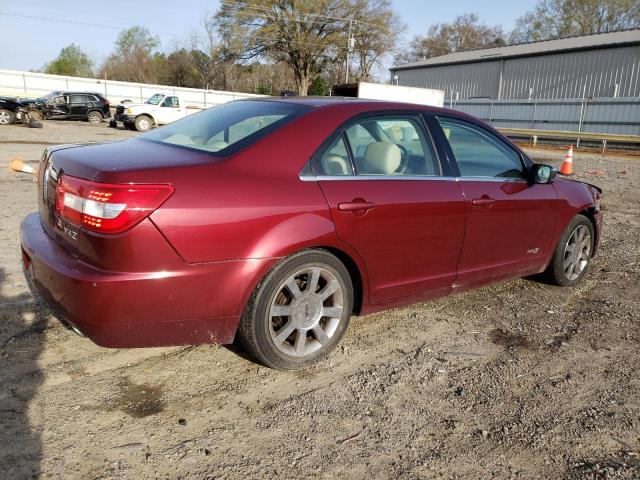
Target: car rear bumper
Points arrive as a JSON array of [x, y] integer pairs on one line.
[[197, 304]]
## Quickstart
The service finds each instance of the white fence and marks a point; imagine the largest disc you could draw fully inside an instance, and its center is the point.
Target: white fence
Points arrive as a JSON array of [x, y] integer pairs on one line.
[[28, 84]]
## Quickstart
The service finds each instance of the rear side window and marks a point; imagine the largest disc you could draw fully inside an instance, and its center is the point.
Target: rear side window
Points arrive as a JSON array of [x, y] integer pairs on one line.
[[480, 154], [391, 146], [78, 99], [228, 127], [335, 160]]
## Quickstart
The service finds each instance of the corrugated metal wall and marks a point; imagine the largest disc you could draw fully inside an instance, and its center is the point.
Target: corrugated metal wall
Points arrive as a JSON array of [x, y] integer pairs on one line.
[[600, 115], [468, 79], [592, 73]]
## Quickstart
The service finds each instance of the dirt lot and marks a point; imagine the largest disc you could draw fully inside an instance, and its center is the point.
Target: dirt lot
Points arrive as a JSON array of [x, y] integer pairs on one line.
[[516, 380]]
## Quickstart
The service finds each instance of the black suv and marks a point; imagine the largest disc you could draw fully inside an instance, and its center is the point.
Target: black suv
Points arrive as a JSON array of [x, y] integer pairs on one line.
[[71, 105]]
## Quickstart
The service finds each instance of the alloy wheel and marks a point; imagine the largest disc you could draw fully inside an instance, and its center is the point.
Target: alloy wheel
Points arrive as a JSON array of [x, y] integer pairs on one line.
[[5, 118], [95, 117], [577, 252], [306, 311]]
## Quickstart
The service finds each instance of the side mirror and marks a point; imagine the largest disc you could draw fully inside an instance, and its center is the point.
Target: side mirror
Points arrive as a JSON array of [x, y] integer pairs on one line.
[[543, 173]]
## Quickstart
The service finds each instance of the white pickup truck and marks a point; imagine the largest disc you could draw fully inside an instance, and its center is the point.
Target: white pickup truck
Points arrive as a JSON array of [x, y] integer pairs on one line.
[[159, 109]]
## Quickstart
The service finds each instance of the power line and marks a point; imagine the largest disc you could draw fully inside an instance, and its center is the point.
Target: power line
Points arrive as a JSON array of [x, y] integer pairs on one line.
[[86, 24]]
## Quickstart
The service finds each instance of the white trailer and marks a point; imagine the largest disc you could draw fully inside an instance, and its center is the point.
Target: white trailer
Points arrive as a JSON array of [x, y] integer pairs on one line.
[[392, 93]]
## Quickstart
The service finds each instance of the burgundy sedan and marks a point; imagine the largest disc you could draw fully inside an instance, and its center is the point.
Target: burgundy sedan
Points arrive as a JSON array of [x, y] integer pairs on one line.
[[274, 221]]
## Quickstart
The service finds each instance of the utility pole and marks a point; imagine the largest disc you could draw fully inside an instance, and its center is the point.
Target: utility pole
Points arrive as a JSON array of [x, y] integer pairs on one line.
[[350, 44]]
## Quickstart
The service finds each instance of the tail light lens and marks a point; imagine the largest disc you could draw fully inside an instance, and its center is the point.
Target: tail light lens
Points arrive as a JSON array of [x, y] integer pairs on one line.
[[106, 207]]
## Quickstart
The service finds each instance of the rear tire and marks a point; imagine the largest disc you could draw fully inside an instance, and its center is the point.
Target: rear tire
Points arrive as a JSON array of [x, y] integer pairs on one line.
[[94, 117], [7, 117], [572, 257], [143, 123], [299, 312]]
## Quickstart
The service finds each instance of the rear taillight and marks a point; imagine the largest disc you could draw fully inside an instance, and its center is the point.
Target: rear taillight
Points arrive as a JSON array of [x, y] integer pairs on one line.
[[106, 207]]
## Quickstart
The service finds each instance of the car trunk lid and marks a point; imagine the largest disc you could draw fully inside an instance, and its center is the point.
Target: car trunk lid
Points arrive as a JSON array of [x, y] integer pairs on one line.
[[132, 161]]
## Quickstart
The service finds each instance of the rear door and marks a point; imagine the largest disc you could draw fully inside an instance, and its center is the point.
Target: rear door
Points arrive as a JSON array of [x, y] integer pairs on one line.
[[78, 106], [510, 221], [390, 201]]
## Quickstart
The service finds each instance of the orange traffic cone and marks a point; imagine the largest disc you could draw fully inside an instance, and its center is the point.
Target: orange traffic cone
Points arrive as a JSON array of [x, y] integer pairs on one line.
[[567, 164], [17, 165]]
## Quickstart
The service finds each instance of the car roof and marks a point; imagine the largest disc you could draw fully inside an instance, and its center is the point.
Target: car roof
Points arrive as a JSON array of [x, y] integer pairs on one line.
[[359, 104], [70, 92]]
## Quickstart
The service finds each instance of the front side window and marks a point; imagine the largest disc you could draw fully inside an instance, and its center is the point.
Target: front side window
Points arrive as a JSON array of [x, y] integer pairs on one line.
[[391, 146], [480, 154], [231, 124]]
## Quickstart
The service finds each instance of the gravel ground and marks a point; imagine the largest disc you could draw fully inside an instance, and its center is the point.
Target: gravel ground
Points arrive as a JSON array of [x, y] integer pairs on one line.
[[516, 380]]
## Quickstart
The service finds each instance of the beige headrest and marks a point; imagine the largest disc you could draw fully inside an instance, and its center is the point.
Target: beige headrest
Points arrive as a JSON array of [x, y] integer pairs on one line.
[[382, 158], [335, 165]]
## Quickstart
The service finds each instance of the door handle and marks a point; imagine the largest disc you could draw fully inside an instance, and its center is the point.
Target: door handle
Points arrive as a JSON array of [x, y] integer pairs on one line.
[[355, 206], [484, 201]]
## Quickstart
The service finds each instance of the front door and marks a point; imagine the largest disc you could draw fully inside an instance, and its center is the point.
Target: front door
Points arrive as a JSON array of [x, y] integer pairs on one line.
[[169, 111], [389, 201], [510, 221]]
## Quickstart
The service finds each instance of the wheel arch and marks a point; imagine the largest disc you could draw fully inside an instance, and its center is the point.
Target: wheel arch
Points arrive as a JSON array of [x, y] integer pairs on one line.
[[95, 110], [355, 274], [352, 262], [590, 213], [148, 115]]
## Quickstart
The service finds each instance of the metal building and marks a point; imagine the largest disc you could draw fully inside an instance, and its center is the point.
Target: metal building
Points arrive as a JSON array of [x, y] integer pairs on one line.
[[589, 66]]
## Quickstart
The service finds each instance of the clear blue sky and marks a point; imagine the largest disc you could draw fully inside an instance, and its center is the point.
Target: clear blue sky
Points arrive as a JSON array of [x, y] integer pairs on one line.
[[28, 43]]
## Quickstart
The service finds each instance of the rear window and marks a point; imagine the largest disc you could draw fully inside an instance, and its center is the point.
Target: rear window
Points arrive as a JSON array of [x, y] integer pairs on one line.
[[228, 127]]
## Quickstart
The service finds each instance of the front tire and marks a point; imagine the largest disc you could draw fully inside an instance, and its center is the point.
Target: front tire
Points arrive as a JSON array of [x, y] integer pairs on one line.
[[36, 115], [143, 123], [299, 312], [572, 257]]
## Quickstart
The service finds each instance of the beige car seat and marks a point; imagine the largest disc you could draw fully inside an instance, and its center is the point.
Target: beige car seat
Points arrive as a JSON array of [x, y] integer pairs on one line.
[[382, 158], [335, 165]]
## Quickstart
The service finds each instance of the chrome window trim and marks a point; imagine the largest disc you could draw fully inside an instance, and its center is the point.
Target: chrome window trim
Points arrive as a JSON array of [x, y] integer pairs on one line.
[[337, 178]]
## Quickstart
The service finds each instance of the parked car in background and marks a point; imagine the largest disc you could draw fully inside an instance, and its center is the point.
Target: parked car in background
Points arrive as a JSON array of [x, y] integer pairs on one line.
[[63, 105], [274, 221], [13, 109], [159, 109]]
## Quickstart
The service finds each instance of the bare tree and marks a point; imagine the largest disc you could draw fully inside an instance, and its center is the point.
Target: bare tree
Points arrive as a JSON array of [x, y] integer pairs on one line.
[[466, 32], [562, 18], [304, 34], [375, 35]]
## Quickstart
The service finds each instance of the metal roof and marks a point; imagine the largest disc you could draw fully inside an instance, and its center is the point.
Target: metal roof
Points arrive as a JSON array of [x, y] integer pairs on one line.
[[583, 42]]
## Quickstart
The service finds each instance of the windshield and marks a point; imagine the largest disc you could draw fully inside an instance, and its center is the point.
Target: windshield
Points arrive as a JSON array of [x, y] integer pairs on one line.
[[220, 128], [155, 99], [48, 96]]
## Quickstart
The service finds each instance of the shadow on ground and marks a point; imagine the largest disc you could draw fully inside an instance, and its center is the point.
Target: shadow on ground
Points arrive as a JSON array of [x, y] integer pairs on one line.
[[22, 323]]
